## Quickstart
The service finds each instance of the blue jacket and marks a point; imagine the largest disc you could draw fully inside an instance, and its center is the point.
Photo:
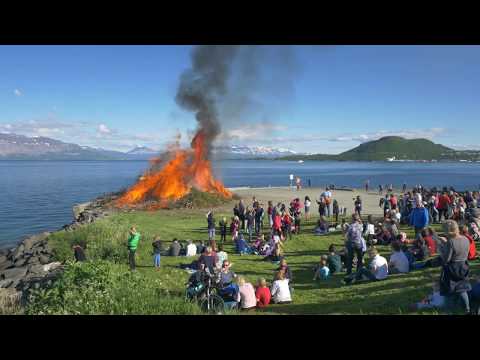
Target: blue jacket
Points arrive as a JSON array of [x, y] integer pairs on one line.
[[419, 217]]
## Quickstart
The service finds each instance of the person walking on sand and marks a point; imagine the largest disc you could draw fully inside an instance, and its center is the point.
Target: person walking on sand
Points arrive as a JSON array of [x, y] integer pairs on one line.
[[132, 244], [367, 183]]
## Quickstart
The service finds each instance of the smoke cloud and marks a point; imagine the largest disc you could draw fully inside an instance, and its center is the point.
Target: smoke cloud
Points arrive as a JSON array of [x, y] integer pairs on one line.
[[229, 85]]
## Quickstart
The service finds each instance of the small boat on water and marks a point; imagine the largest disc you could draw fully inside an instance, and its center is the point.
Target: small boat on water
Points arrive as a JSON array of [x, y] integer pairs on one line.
[[301, 161]]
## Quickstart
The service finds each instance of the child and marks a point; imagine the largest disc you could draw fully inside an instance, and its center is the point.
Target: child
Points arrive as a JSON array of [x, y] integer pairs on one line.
[[223, 230], [322, 271], [334, 261], [157, 249], [262, 293], [434, 300]]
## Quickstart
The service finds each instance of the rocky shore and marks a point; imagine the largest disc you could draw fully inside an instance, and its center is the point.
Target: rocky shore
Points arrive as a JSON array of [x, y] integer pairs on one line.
[[31, 264]]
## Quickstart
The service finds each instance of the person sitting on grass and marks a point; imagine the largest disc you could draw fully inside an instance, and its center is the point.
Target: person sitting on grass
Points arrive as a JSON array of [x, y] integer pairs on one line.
[[241, 246], [378, 269], [334, 261], [427, 235], [283, 266], [226, 274], [174, 248], [246, 295], [157, 250], [280, 290], [472, 251], [262, 293], [432, 301], [322, 271], [209, 258], [398, 263], [322, 226], [191, 249], [221, 256]]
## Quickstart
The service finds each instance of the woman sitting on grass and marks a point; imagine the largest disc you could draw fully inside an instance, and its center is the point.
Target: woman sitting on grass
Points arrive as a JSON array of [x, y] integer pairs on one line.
[[241, 245], [322, 226], [246, 295], [263, 295], [398, 260], [334, 261], [280, 290]]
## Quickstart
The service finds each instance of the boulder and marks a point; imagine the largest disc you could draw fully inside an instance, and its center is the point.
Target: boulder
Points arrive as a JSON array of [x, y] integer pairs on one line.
[[35, 239], [16, 273], [3, 258], [20, 262], [5, 283], [5, 265], [17, 253], [78, 209], [37, 269], [44, 259]]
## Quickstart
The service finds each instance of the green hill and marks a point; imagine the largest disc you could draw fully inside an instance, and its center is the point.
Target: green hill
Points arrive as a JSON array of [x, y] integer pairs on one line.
[[395, 146]]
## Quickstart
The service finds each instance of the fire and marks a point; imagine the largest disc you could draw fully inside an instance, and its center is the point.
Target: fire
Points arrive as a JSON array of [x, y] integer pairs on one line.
[[188, 168]]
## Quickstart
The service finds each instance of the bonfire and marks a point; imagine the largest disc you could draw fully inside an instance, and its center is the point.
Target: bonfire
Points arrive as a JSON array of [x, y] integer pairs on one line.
[[172, 177]]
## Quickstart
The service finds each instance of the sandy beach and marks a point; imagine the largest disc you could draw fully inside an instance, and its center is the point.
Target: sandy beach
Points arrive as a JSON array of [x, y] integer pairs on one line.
[[286, 194]]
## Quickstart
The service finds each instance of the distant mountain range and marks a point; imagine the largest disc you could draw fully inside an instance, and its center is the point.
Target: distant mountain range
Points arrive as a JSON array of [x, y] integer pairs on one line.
[[19, 147], [395, 148]]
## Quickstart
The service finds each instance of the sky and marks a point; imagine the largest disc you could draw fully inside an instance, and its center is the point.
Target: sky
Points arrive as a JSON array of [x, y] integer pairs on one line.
[[327, 100]]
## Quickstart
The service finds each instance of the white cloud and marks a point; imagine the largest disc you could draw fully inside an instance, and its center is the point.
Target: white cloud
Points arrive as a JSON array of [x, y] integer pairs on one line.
[[262, 131], [17, 92], [104, 130]]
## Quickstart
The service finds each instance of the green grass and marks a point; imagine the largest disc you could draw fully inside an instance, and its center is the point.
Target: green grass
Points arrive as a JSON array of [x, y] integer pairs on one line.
[[106, 241]]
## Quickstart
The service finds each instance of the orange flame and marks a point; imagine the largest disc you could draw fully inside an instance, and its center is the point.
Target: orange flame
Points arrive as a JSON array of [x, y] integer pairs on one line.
[[186, 170]]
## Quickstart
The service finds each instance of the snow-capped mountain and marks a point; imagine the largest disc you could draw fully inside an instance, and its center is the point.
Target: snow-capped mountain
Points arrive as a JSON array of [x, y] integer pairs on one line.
[[141, 150], [239, 151]]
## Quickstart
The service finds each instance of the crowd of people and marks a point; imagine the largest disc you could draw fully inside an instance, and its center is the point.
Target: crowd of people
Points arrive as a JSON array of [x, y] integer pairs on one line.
[[254, 230]]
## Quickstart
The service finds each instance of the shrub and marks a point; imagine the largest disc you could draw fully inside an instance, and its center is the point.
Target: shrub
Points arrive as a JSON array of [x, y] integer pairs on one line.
[[101, 287]]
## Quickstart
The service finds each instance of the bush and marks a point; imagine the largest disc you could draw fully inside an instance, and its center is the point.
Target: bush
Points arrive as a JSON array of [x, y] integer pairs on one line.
[[100, 287]]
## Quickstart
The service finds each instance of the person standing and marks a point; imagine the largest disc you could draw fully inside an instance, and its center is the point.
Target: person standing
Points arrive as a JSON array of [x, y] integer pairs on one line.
[[211, 225], [419, 217], [157, 249], [454, 276], [307, 204], [223, 230], [358, 206], [367, 184], [241, 214], [355, 243], [259, 213], [132, 245]]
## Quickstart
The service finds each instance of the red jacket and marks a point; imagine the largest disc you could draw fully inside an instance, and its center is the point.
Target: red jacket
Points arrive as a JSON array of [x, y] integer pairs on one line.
[[277, 222], [263, 297], [444, 201], [432, 246], [472, 251]]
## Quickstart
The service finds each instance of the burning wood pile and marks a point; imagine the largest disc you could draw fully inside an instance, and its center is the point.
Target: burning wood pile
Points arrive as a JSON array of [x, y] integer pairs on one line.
[[170, 180]]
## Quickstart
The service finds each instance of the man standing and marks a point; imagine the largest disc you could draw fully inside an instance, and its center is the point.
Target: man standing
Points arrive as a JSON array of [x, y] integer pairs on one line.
[[419, 217], [367, 183], [133, 240], [211, 226], [328, 201]]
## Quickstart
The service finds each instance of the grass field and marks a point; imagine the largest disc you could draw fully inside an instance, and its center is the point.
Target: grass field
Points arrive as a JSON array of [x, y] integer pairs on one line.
[[106, 240]]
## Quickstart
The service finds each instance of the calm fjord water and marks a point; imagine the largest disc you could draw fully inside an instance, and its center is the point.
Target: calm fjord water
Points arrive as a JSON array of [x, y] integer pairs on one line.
[[39, 195]]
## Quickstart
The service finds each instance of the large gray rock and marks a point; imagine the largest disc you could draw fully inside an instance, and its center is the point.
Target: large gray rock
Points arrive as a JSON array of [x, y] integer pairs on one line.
[[3, 258], [35, 239], [78, 209], [17, 253], [14, 274], [44, 259], [5, 265], [37, 269], [20, 262], [5, 283]]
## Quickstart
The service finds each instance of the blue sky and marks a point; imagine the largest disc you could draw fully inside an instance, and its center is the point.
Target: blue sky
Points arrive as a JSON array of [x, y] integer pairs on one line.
[[331, 99]]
